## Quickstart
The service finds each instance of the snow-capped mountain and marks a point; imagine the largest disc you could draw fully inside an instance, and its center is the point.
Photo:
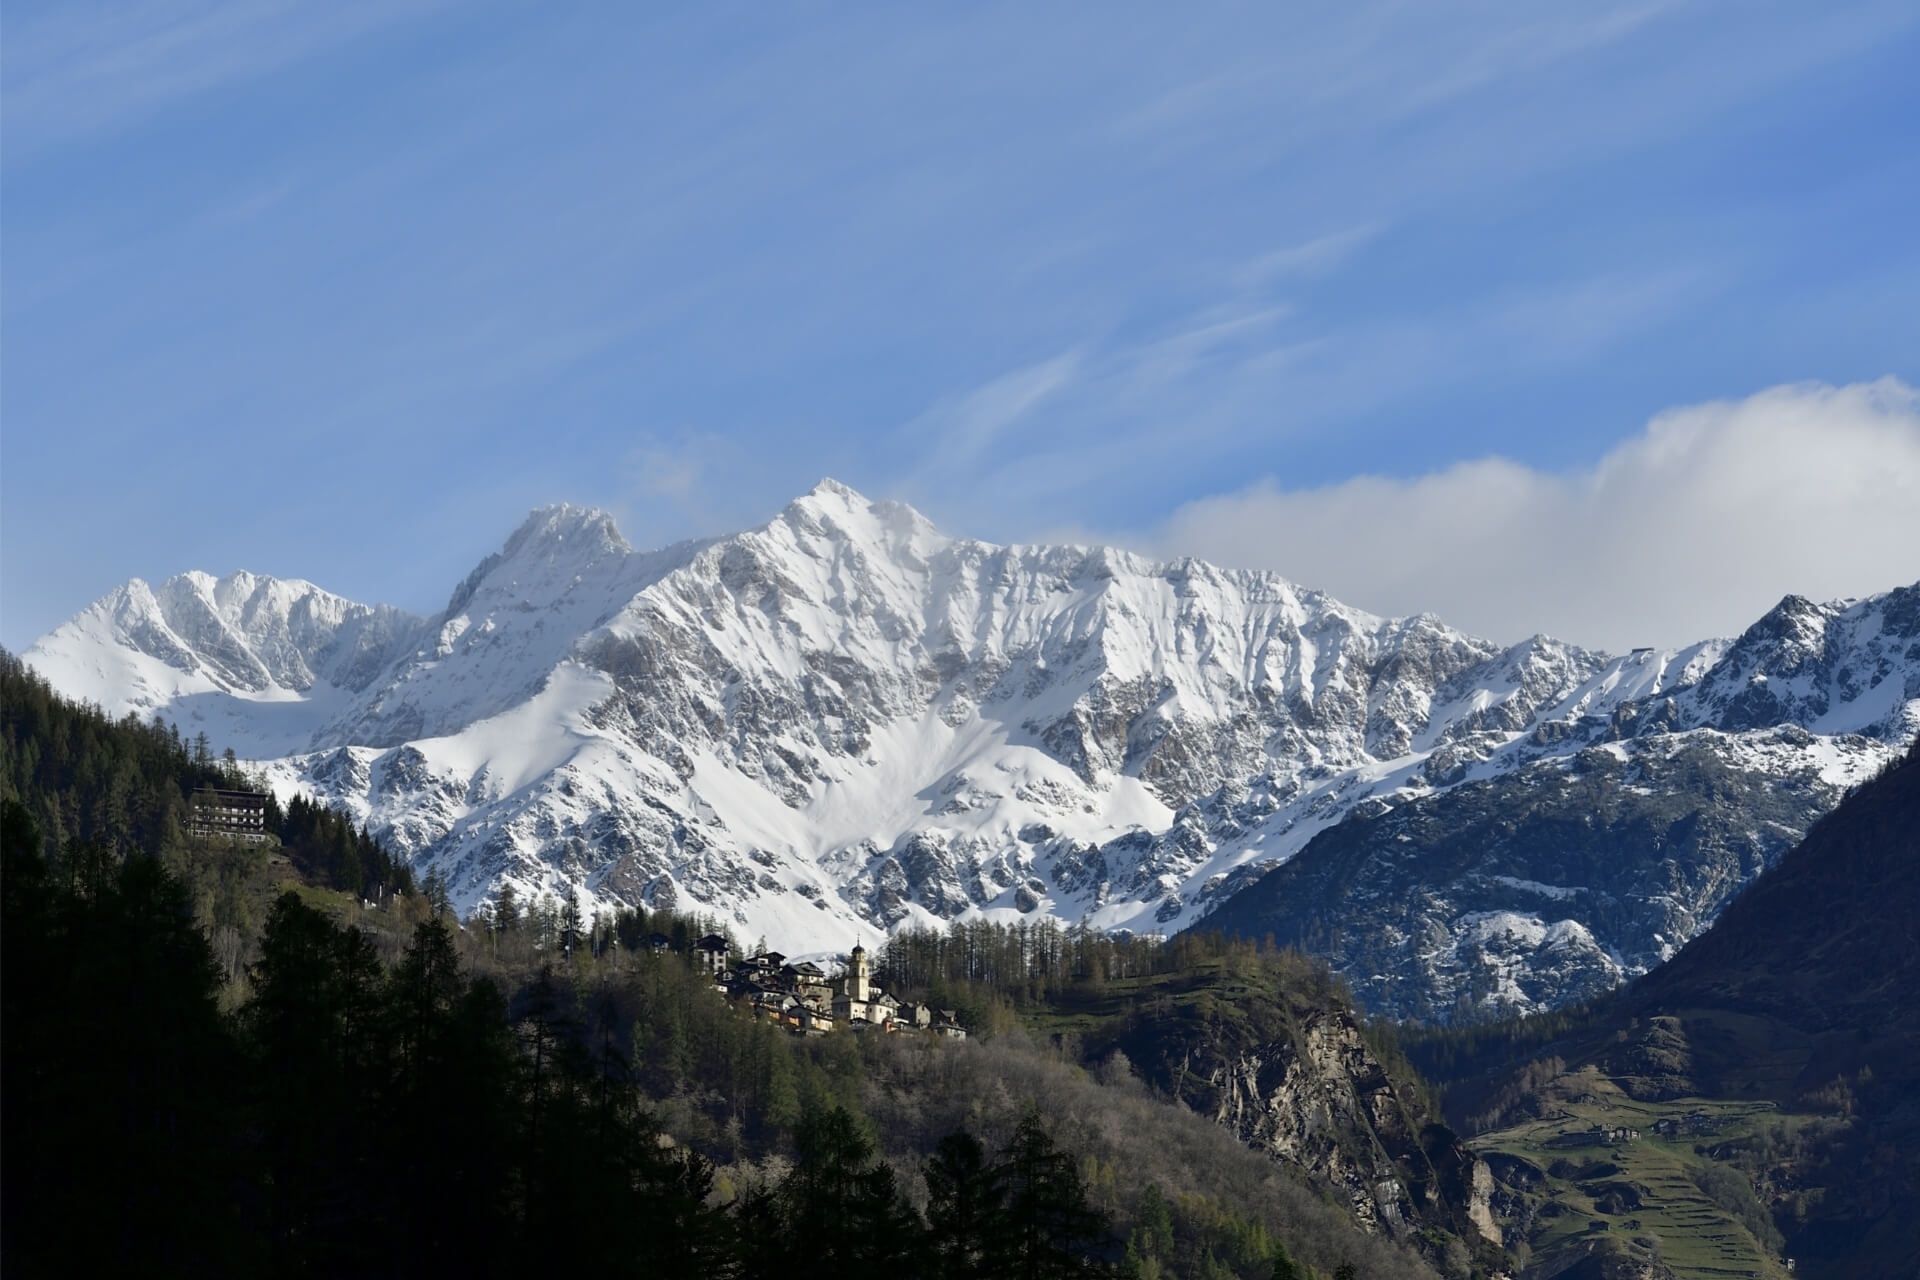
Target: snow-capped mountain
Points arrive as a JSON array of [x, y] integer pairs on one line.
[[844, 719], [256, 663]]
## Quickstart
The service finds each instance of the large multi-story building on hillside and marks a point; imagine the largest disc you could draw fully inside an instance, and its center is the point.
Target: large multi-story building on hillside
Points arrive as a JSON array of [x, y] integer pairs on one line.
[[234, 815]]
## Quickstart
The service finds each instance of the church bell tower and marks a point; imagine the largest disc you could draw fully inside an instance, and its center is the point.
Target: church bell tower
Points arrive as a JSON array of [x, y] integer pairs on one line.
[[857, 975]]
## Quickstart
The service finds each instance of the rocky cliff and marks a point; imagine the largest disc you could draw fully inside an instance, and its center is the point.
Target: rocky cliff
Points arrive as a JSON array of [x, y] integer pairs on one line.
[[1268, 1047], [1321, 1099]]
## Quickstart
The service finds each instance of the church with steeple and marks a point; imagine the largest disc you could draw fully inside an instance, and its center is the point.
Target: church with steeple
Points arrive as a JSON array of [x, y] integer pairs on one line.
[[804, 998], [856, 999]]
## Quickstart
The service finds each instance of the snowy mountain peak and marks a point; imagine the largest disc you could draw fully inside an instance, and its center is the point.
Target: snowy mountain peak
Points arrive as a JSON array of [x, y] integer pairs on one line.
[[829, 490], [1820, 665], [828, 505], [561, 524], [838, 514], [553, 545], [246, 633], [1791, 630], [846, 719], [258, 661]]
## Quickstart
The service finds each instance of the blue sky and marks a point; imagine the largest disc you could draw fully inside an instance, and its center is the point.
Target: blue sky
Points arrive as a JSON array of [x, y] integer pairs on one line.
[[340, 291]]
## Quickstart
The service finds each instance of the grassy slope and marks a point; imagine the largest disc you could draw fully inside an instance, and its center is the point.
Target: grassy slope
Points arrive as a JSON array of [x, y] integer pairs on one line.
[[1645, 1192]]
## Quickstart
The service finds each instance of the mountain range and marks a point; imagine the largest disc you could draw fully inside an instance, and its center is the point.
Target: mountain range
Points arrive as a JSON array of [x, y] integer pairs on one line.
[[844, 720]]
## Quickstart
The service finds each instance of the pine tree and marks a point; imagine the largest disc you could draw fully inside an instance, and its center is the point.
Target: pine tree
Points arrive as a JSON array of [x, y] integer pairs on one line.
[[506, 910], [453, 1155], [842, 1205], [315, 1031], [113, 1048], [423, 989], [547, 926], [345, 860], [1152, 1238], [1055, 1228], [967, 1225], [439, 901]]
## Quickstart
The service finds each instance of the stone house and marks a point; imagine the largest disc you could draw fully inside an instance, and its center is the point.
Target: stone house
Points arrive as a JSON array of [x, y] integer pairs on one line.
[[710, 953]]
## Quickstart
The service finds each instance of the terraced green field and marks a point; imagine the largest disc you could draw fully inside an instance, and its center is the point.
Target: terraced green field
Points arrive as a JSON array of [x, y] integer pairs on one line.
[[1642, 1193]]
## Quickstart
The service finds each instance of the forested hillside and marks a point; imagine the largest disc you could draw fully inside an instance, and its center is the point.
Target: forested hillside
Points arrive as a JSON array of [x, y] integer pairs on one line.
[[286, 1058]]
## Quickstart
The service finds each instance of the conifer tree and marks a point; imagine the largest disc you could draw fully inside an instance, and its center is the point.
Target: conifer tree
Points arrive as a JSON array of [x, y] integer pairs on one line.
[[113, 1050], [424, 987], [967, 1225], [506, 910], [1152, 1238], [439, 901], [843, 1204], [316, 1035], [1284, 1267], [1055, 1229]]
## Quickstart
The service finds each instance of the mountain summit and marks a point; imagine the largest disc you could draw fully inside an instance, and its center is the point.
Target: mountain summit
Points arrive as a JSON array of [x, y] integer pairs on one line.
[[845, 720]]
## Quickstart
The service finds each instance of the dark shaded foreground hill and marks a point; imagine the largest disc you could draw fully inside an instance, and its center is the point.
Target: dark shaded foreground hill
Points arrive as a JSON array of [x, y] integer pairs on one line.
[[1823, 956], [1799, 1011], [1828, 941]]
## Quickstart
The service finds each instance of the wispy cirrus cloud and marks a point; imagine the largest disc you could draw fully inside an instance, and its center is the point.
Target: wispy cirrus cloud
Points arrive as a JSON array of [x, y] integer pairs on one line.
[[76, 69], [1102, 268], [960, 432], [1242, 378], [1318, 256]]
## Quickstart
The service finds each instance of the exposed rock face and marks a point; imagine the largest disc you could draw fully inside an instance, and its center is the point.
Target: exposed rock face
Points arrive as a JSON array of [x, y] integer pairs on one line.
[[1322, 1100], [1551, 883], [1609, 1260], [1266, 1046], [844, 721]]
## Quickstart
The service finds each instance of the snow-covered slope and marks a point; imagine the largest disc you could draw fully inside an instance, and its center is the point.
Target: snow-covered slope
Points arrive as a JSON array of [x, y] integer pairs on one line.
[[844, 719], [256, 663]]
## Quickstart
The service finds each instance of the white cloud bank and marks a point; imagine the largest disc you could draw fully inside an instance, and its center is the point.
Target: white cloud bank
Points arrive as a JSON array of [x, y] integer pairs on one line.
[[1693, 528]]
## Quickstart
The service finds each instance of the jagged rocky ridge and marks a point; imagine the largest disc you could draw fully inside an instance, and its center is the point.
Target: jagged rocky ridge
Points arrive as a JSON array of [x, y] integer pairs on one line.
[[1570, 871], [844, 719], [1551, 883]]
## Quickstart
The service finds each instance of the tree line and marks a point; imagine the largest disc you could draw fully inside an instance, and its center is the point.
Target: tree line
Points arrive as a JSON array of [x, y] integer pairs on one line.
[[992, 973]]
